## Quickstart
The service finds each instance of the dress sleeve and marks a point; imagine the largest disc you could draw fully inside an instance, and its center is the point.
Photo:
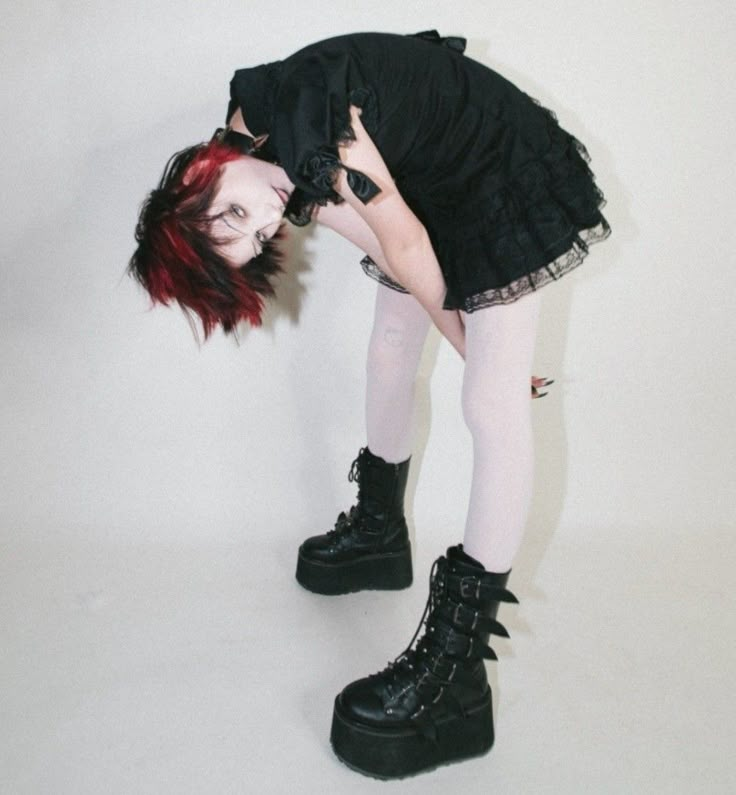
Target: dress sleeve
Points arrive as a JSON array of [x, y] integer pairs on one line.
[[312, 117]]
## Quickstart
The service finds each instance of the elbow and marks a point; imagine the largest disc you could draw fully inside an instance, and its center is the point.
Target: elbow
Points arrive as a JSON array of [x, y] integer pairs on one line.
[[411, 244], [409, 260]]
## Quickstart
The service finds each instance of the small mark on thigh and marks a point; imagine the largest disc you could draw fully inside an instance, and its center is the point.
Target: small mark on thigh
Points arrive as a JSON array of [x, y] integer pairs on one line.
[[393, 337]]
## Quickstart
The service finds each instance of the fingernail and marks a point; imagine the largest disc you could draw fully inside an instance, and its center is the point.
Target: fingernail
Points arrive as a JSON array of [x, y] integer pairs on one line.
[[542, 394], [549, 381]]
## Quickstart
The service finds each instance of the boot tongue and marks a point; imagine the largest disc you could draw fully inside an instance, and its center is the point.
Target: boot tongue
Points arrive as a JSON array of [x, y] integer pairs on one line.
[[461, 565], [460, 560]]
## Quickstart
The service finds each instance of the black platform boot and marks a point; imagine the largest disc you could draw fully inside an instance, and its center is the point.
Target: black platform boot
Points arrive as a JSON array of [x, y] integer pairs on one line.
[[432, 704], [369, 547]]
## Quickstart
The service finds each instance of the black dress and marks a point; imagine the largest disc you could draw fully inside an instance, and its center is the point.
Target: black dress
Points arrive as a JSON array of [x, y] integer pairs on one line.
[[504, 192]]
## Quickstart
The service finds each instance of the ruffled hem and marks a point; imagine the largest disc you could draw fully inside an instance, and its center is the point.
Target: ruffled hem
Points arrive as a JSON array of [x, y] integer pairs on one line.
[[507, 294], [534, 229], [371, 269], [530, 282]]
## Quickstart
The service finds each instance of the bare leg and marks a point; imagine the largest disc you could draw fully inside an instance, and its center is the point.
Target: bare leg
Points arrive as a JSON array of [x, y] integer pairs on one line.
[[496, 406], [399, 330]]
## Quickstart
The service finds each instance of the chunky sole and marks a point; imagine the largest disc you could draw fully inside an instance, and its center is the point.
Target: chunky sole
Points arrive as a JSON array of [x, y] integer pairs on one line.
[[400, 752], [389, 571]]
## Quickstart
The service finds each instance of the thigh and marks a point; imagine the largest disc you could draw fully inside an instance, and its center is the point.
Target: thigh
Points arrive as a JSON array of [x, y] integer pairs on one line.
[[400, 321], [500, 340]]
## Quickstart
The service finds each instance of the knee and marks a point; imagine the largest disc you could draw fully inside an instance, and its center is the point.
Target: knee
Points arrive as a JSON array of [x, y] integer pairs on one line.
[[392, 352], [498, 412]]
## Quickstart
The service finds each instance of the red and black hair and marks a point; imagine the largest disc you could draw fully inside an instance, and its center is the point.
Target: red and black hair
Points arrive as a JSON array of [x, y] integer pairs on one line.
[[177, 257]]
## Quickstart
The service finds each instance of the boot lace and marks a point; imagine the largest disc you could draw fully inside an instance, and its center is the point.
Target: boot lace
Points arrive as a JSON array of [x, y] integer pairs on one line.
[[354, 518], [417, 666], [428, 668], [357, 467]]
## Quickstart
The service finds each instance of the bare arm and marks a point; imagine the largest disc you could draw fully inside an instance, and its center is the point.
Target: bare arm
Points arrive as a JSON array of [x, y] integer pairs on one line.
[[343, 219], [408, 255]]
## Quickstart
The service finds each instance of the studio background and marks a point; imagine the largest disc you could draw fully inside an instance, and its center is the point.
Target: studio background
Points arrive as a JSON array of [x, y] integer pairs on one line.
[[154, 491]]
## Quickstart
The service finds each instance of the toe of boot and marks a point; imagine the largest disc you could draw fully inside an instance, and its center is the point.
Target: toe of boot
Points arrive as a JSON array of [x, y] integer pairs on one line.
[[317, 548], [362, 701]]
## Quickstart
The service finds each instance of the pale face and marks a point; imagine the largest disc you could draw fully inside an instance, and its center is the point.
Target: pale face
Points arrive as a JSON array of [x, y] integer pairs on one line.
[[249, 207]]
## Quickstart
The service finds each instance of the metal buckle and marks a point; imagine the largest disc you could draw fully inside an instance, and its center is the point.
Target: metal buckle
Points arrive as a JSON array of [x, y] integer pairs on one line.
[[456, 616], [469, 582]]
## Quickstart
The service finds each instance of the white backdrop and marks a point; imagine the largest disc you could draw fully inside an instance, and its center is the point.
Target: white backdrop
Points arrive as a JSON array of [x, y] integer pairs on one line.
[[127, 452], [116, 424]]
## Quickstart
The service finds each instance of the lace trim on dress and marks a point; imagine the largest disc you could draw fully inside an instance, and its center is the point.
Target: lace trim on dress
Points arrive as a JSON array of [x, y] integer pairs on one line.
[[533, 281], [509, 293], [365, 99], [300, 208], [371, 269]]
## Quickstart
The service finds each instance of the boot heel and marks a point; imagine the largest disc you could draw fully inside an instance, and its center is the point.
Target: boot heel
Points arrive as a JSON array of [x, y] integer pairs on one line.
[[391, 572], [400, 752], [387, 571]]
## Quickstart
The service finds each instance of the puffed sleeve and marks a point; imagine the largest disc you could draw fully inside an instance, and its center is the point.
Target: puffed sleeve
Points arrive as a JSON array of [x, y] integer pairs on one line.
[[312, 117]]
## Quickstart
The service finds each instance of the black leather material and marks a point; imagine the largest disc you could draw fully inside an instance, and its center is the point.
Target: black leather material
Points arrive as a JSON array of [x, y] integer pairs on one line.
[[375, 524], [444, 675]]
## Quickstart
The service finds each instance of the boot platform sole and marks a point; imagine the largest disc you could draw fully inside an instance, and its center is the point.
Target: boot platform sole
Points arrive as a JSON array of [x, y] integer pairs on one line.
[[387, 571], [398, 752]]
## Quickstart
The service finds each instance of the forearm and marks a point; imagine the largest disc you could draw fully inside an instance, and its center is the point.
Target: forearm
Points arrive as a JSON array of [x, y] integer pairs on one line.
[[416, 268], [450, 325], [402, 237], [417, 263]]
